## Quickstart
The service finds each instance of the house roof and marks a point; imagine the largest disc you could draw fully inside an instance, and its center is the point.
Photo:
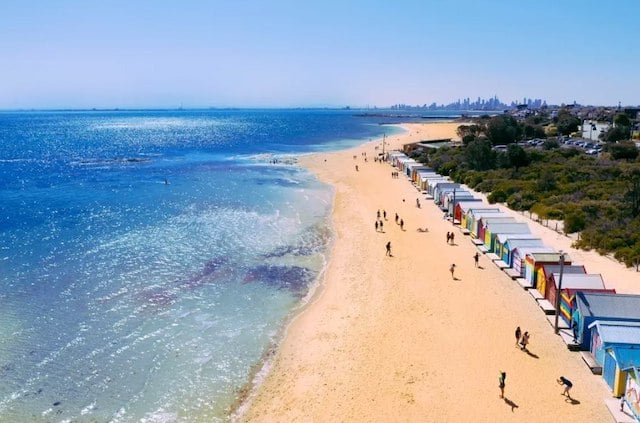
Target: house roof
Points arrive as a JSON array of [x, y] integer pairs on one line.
[[627, 357], [613, 332], [598, 304], [579, 280], [507, 228]]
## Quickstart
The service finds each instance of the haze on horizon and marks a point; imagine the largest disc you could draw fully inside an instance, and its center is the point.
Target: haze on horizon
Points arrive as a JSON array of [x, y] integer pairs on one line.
[[248, 53]]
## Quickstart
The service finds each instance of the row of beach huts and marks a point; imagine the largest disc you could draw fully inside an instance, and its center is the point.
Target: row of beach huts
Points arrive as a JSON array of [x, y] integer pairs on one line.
[[593, 319]]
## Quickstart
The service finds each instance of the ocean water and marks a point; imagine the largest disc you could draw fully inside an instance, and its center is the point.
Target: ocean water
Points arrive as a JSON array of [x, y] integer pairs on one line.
[[149, 259]]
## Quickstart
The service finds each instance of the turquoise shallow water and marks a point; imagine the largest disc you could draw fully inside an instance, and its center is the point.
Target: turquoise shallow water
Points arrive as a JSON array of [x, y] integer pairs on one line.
[[149, 259]]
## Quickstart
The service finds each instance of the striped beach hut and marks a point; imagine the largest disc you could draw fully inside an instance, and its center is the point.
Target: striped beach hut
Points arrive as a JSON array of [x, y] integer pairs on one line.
[[591, 306], [476, 228], [409, 165], [493, 229], [571, 284], [394, 157], [545, 272], [509, 242], [534, 260]]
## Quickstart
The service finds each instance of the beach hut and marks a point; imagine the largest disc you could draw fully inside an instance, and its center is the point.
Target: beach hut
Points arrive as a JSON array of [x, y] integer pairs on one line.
[[619, 362], [632, 390], [451, 198], [606, 334], [440, 186], [509, 242], [425, 177], [460, 207], [394, 157], [447, 194], [469, 215], [409, 164], [545, 272], [417, 168], [485, 220], [571, 284], [431, 186], [476, 216], [519, 254], [534, 260], [493, 228], [601, 306]]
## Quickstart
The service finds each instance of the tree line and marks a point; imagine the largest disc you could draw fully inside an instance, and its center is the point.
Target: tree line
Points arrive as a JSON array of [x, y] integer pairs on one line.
[[598, 197]]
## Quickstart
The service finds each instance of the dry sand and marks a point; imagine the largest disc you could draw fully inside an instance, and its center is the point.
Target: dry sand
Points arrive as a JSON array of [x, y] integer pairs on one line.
[[397, 339]]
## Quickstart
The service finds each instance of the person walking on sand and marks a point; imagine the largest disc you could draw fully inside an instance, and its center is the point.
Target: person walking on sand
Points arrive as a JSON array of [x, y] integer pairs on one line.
[[389, 248], [476, 257], [378, 214], [518, 334], [567, 385], [525, 341], [397, 217], [381, 224], [452, 243], [452, 269], [384, 214], [501, 383], [448, 237], [376, 226], [402, 224]]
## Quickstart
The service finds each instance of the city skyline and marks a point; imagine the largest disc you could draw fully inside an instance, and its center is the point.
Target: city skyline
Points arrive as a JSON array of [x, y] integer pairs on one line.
[[72, 54]]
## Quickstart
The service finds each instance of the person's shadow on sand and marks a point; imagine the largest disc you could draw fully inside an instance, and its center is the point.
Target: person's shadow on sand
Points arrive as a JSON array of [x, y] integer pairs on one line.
[[511, 404], [456, 279], [480, 267], [572, 401], [531, 354]]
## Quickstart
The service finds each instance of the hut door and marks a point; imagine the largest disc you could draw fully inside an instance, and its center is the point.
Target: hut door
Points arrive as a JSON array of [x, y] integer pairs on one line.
[[609, 371]]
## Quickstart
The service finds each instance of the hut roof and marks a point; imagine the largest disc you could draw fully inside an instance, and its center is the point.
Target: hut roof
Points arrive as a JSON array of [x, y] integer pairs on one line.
[[549, 257], [618, 332], [507, 228], [579, 280], [550, 269], [609, 305], [517, 240]]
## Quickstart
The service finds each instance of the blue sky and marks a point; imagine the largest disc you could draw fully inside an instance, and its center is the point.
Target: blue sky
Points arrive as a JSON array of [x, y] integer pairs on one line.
[[245, 53]]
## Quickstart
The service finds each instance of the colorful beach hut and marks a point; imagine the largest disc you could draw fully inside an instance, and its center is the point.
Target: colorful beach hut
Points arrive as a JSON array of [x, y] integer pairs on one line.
[[592, 306], [571, 284], [441, 186], [415, 169], [519, 254], [545, 272], [632, 390], [472, 215], [450, 199], [606, 334], [492, 229], [619, 362], [485, 220], [509, 242], [448, 194], [534, 260], [425, 177], [431, 186], [461, 207]]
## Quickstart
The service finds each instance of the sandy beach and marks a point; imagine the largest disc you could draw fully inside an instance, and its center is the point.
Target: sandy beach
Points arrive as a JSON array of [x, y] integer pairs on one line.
[[398, 339]]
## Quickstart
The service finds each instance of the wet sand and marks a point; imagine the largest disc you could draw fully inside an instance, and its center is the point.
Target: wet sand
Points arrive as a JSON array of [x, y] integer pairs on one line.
[[397, 338]]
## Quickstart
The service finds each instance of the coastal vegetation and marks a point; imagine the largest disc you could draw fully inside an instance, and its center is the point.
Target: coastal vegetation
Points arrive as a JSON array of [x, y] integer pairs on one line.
[[597, 197]]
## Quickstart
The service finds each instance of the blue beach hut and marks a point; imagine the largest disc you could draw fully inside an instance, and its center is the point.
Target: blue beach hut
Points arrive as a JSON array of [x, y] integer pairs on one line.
[[592, 306]]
